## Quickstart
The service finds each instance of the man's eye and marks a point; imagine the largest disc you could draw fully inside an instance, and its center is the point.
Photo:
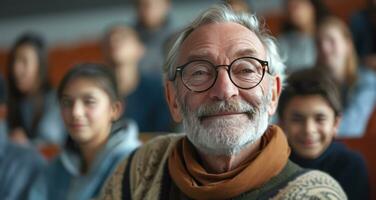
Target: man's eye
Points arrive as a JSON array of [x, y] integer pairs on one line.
[[247, 71], [199, 73], [243, 69]]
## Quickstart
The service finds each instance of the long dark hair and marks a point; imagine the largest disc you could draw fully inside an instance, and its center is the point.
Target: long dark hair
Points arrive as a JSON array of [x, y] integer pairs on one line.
[[104, 78], [15, 96]]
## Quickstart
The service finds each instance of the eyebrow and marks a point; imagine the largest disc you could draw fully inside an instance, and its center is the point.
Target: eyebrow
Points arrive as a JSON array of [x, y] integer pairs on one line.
[[85, 95], [205, 55], [297, 114], [245, 52], [315, 113]]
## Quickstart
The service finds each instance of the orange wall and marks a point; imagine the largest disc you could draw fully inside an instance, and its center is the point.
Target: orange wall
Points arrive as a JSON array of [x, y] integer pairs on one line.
[[63, 58]]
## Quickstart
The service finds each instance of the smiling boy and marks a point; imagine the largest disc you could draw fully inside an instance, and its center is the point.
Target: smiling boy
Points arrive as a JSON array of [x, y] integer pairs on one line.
[[310, 113]]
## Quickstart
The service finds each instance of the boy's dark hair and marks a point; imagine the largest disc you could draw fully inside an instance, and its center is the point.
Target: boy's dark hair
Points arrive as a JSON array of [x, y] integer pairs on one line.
[[310, 82]]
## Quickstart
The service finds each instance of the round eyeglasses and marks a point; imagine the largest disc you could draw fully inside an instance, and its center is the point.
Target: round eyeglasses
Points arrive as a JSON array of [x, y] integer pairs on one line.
[[200, 75]]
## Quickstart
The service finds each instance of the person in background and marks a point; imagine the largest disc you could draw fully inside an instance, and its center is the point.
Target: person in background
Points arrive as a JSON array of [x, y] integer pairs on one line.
[[223, 77], [337, 56], [33, 111], [143, 93], [363, 28], [18, 164], [238, 5], [153, 26], [90, 106], [297, 40], [310, 110]]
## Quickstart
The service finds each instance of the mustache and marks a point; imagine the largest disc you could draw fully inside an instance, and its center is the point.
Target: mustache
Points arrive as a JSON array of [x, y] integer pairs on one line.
[[227, 106]]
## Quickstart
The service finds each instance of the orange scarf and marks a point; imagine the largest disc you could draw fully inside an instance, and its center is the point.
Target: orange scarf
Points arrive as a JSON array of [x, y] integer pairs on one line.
[[195, 182]]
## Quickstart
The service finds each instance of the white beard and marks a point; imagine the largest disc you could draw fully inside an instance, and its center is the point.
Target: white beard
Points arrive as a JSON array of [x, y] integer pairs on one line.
[[225, 135]]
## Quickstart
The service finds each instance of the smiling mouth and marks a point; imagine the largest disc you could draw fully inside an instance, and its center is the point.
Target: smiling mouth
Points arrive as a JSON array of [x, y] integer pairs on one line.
[[220, 115], [309, 143], [77, 125]]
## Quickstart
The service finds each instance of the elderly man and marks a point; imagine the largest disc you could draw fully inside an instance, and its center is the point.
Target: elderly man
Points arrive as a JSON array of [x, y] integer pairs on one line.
[[223, 79]]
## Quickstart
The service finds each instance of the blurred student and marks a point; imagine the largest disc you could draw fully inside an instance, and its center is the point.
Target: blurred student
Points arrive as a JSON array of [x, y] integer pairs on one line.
[[310, 114], [363, 27], [90, 106], [33, 111], [337, 56], [143, 93], [18, 164], [297, 40], [238, 5], [154, 26]]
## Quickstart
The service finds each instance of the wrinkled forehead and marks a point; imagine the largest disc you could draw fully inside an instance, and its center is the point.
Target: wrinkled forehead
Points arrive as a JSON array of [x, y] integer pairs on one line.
[[221, 41]]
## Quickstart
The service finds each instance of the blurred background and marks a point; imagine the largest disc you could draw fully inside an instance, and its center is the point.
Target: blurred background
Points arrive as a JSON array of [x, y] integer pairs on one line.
[[74, 31], [76, 26]]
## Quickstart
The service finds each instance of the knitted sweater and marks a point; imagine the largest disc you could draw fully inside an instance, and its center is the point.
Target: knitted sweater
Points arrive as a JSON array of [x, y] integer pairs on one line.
[[145, 178]]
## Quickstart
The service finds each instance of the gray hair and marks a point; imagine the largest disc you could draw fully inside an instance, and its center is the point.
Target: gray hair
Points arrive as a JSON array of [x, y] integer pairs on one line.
[[222, 14]]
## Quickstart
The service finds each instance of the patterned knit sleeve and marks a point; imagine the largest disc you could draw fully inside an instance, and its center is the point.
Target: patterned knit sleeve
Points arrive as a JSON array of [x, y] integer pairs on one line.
[[112, 189], [312, 185]]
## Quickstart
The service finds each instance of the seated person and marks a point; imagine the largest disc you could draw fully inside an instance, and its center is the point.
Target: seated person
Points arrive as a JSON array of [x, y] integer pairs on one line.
[[298, 35], [238, 5], [142, 93], [363, 29], [33, 111], [310, 112], [153, 25], [18, 164], [220, 85], [337, 56], [90, 106]]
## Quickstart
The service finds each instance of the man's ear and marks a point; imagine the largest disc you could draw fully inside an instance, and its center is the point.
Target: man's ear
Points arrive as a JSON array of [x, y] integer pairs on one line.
[[172, 101], [276, 92]]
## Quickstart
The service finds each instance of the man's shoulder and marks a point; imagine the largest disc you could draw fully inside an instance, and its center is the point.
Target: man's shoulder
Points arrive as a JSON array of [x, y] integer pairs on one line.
[[143, 164], [159, 145], [312, 184], [153, 151]]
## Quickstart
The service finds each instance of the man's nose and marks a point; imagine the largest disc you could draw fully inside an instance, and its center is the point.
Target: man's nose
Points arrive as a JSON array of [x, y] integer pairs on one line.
[[223, 87]]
